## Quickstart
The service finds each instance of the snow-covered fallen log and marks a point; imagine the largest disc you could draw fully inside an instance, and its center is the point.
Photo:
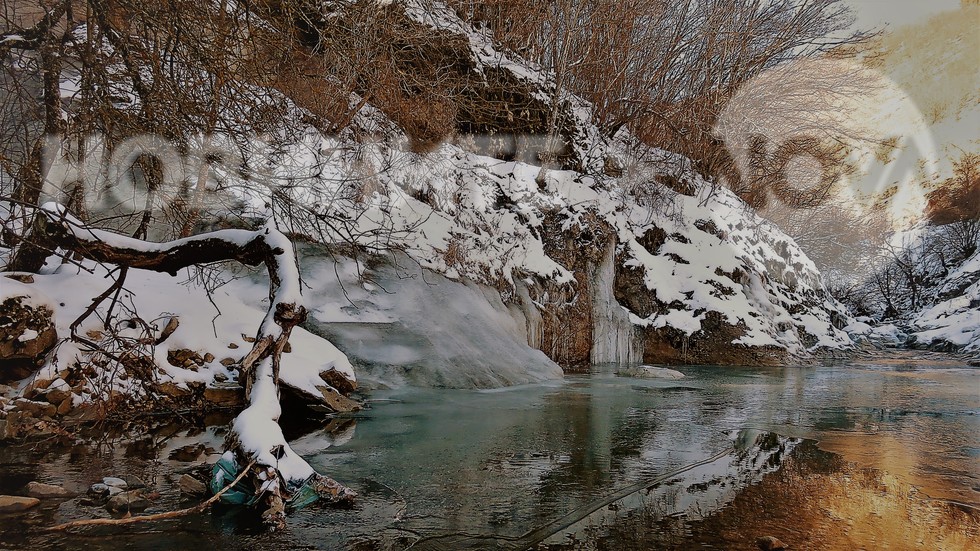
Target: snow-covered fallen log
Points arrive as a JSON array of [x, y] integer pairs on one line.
[[256, 438]]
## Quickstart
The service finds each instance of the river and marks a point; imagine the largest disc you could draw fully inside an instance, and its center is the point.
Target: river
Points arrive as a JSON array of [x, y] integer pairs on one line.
[[595, 461]]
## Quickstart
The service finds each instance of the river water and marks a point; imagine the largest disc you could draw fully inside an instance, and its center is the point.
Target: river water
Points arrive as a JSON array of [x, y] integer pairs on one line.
[[585, 463]]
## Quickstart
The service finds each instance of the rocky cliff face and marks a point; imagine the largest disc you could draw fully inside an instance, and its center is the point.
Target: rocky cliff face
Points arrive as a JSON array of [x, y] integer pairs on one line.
[[615, 252]]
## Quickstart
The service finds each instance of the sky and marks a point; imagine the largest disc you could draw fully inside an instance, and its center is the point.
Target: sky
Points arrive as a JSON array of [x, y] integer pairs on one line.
[[896, 13]]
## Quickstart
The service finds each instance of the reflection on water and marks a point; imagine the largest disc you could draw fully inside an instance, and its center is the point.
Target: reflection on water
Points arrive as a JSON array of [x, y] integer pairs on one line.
[[500, 469], [816, 500]]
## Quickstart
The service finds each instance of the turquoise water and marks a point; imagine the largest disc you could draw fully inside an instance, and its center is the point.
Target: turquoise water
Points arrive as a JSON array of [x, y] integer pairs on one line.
[[485, 469]]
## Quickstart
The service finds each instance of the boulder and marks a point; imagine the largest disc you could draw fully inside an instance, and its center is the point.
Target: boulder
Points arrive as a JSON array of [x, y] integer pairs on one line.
[[182, 357], [338, 402], [16, 504], [57, 395], [171, 389], [41, 490], [65, 406]]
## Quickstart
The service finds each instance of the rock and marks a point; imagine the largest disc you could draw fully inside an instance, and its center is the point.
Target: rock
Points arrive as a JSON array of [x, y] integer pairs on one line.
[[227, 362], [770, 543], [98, 489], [220, 377], [57, 395], [171, 389], [113, 481], [337, 380], [225, 395], [37, 409], [191, 486], [182, 357], [133, 482], [612, 165], [127, 502], [27, 331], [650, 372], [208, 358], [36, 386], [338, 402], [41, 490], [23, 278], [187, 453], [232, 345], [16, 504], [168, 329], [65, 406]]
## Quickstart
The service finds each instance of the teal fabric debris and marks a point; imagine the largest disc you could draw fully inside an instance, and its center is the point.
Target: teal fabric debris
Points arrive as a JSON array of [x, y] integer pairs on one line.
[[226, 470], [224, 473], [304, 495]]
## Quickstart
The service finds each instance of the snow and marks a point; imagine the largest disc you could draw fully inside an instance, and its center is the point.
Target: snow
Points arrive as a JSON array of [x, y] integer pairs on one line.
[[955, 321], [80, 231], [405, 325], [463, 232], [238, 310], [32, 296], [651, 372], [258, 431], [205, 324]]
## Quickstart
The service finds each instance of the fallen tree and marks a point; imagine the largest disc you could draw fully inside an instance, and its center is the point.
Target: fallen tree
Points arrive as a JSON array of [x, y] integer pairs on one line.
[[256, 440]]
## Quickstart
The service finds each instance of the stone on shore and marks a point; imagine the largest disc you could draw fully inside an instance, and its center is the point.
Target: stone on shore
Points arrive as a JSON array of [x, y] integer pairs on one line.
[[16, 504], [42, 490], [127, 502], [191, 486]]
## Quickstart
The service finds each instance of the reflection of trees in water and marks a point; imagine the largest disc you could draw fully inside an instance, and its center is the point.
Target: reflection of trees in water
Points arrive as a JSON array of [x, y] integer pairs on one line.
[[582, 428], [815, 500]]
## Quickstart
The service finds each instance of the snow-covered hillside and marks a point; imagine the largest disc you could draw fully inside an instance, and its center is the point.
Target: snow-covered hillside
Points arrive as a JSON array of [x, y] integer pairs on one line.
[[942, 310], [627, 254], [953, 320]]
